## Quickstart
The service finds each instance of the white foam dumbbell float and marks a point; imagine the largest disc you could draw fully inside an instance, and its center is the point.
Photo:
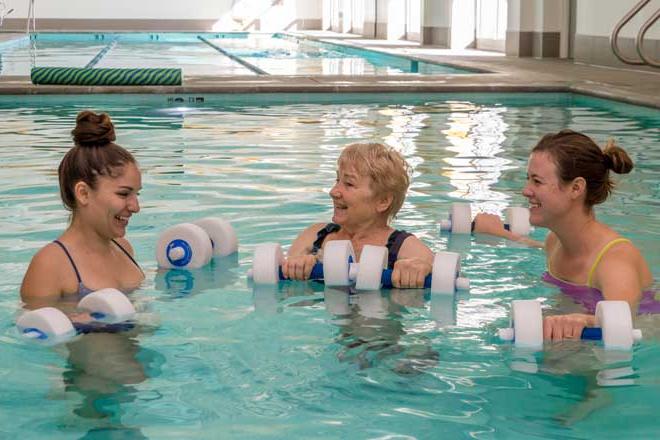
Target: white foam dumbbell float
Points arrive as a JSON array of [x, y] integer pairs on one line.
[[51, 325], [613, 325], [460, 220], [192, 245], [339, 268]]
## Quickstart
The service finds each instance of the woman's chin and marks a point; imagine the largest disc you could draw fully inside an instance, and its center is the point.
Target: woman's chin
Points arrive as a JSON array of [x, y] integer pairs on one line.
[[537, 222], [338, 218]]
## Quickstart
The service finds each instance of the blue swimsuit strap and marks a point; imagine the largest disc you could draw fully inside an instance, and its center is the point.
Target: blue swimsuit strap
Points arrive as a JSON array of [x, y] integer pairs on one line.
[[70, 259], [75, 268], [127, 254], [394, 242]]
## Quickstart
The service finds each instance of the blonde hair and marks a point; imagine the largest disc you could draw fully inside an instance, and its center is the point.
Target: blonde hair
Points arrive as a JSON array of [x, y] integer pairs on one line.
[[388, 170]]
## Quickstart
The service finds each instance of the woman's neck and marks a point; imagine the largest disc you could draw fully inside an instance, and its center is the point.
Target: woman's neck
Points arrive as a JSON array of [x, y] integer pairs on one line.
[[80, 232], [366, 231], [577, 232]]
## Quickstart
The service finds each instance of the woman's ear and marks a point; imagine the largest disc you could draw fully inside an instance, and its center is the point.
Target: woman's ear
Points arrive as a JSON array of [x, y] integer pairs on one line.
[[384, 203], [81, 191], [578, 187]]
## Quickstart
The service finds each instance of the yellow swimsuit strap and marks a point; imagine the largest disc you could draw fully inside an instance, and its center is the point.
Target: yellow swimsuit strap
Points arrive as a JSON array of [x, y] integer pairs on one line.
[[600, 257]]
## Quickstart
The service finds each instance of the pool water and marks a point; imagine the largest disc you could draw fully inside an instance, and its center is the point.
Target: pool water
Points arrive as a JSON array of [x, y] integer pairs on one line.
[[274, 54], [216, 358]]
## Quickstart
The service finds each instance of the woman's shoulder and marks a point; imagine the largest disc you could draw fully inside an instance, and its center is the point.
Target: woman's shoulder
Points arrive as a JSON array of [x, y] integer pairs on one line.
[[619, 247], [43, 277], [48, 256], [314, 229]]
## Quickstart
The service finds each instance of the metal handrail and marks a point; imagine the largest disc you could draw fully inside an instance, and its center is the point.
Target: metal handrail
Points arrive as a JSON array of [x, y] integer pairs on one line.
[[614, 43], [639, 41], [31, 18]]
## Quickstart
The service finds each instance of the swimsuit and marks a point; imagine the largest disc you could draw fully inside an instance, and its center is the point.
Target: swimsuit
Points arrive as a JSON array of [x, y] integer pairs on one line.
[[97, 327], [588, 296], [394, 242], [82, 289]]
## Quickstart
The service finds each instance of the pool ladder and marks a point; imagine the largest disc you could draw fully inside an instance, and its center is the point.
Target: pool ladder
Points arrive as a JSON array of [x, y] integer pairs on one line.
[[644, 59], [31, 19]]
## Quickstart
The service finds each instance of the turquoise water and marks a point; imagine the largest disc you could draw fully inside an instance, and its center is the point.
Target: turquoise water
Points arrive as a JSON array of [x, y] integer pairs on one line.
[[276, 55], [214, 358]]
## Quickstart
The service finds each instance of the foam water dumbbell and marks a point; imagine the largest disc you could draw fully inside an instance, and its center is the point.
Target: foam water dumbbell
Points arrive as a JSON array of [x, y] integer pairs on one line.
[[192, 245], [460, 220], [339, 268], [613, 325], [50, 325]]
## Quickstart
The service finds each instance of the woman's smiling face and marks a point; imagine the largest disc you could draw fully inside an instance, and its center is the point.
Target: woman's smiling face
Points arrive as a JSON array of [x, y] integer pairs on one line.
[[114, 201], [353, 199], [548, 196]]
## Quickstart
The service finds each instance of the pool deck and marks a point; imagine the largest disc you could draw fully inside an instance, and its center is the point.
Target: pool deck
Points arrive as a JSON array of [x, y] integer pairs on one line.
[[506, 74]]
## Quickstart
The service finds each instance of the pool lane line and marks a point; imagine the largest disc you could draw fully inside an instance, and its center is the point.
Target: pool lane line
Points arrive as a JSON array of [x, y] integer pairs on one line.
[[240, 61], [99, 56]]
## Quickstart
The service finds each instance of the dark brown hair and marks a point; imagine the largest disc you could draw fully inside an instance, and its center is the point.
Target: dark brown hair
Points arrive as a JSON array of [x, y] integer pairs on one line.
[[94, 154], [577, 155]]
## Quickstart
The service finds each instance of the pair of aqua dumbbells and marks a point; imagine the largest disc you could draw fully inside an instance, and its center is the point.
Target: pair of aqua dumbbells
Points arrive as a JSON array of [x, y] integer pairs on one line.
[[192, 245], [187, 245], [109, 310]]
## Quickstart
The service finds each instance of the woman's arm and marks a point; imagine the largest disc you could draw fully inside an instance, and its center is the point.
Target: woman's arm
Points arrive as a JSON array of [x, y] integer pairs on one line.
[[492, 224], [42, 284], [299, 261], [622, 274], [413, 264]]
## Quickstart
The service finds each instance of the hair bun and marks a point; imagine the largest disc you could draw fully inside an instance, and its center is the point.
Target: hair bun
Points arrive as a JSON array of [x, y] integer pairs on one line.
[[616, 159], [93, 130]]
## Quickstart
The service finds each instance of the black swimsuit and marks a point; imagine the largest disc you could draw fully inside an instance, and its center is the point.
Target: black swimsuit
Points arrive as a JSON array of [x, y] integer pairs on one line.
[[393, 245]]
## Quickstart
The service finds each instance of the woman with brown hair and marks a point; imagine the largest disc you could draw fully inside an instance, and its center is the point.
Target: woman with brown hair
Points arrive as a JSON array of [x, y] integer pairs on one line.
[[567, 175], [99, 183]]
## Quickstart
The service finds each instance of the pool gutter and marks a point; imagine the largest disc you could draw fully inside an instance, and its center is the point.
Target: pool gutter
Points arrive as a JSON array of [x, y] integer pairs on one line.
[[21, 85]]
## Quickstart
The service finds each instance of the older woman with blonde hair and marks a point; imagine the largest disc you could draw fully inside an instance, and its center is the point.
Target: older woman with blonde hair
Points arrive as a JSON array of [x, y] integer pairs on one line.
[[372, 181]]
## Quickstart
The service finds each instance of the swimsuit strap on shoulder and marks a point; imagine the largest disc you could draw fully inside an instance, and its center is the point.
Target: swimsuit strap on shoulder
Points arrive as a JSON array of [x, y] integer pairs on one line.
[[600, 257], [322, 234], [394, 243]]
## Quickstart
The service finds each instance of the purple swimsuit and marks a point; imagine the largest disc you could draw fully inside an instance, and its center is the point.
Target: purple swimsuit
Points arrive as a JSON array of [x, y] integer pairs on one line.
[[589, 296]]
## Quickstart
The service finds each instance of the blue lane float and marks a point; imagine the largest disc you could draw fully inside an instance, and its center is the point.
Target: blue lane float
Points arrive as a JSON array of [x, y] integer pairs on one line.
[[81, 76]]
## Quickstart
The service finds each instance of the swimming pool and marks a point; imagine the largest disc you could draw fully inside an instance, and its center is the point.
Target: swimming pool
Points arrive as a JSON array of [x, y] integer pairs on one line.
[[216, 359], [237, 53]]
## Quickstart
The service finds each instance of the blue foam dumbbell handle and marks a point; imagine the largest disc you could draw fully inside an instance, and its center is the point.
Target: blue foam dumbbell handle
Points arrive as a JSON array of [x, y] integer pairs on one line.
[[385, 279], [592, 333], [506, 226]]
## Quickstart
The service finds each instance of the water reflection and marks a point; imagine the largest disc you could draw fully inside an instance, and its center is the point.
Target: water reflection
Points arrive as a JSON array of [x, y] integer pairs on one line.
[[105, 369], [178, 283], [371, 331]]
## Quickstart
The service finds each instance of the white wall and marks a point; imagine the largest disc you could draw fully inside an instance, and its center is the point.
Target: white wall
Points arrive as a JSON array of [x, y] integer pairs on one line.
[[609, 12], [169, 9], [437, 13]]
